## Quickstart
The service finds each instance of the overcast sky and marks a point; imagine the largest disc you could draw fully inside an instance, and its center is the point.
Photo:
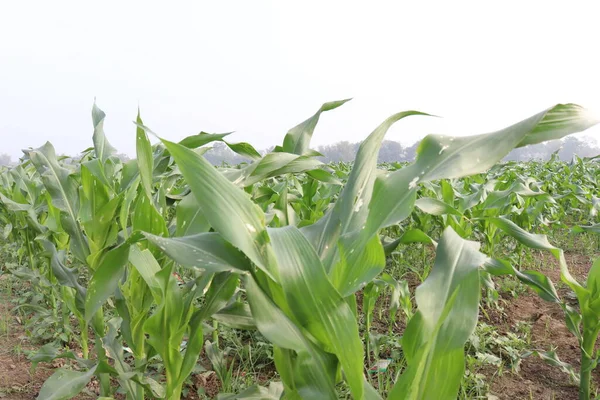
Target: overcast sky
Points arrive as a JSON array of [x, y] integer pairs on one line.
[[259, 67]]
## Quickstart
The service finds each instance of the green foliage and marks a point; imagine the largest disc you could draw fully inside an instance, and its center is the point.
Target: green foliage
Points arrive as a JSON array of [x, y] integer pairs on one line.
[[155, 253]]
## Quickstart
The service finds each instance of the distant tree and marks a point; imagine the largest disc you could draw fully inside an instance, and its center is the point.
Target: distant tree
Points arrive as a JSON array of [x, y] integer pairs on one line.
[[390, 151], [567, 149], [574, 146], [410, 152], [340, 151], [5, 159]]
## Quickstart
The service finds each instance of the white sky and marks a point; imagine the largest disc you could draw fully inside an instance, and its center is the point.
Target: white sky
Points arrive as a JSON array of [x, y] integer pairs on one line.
[[259, 67]]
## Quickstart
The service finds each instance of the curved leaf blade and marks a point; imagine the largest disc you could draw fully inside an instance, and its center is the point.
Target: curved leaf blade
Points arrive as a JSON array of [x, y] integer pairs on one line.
[[448, 308], [65, 384]]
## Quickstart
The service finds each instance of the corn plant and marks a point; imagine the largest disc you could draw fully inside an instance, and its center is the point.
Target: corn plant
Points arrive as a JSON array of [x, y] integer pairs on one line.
[[282, 244], [583, 323]]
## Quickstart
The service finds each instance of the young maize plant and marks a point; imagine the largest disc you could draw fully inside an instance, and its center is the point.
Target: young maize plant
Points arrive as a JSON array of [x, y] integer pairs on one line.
[[282, 244]]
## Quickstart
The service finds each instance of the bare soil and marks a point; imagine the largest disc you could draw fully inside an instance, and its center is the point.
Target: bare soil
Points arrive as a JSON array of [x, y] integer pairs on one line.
[[18, 382], [16, 379], [537, 379]]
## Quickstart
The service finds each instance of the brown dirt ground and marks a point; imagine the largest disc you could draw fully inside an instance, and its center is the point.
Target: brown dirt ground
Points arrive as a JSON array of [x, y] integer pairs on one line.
[[16, 379], [19, 383], [537, 379]]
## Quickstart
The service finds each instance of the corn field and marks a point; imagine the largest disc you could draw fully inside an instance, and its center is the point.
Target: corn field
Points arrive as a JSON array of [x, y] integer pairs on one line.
[[144, 264]]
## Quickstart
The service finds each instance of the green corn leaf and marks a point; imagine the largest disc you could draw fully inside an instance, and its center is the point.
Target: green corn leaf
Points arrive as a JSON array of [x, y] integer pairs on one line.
[[272, 165], [350, 211], [133, 301], [244, 149], [129, 173], [6, 231], [358, 263], [276, 164], [371, 293], [196, 336], [540, 242], [145, 160], [94, 195], [25, 208], [167, 326], [315, 302], [350, 214], [204, 250], [502, 198], [190, 219], [397, 289], [410, 236], [236, 315], [448, 308], [102, 224], [147, 266], [64, 275], [435, 207], [551, 358], [48, 353], [102, 147], [324, 176], [281, 208], [312, 372], [147, 218], [113, 346], [63, 189], [447, 157], [97, 169], [454, 157], [447, 192], [65, 384], [537, 281], [221, 289], [593, 279], [195, 141], [227, 208], [128, 199], [297, 140], [106, 278], [591, 228], [560, 121]]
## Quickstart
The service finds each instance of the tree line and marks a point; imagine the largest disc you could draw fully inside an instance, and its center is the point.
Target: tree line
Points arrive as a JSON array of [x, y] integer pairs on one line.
[[392, 151]]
